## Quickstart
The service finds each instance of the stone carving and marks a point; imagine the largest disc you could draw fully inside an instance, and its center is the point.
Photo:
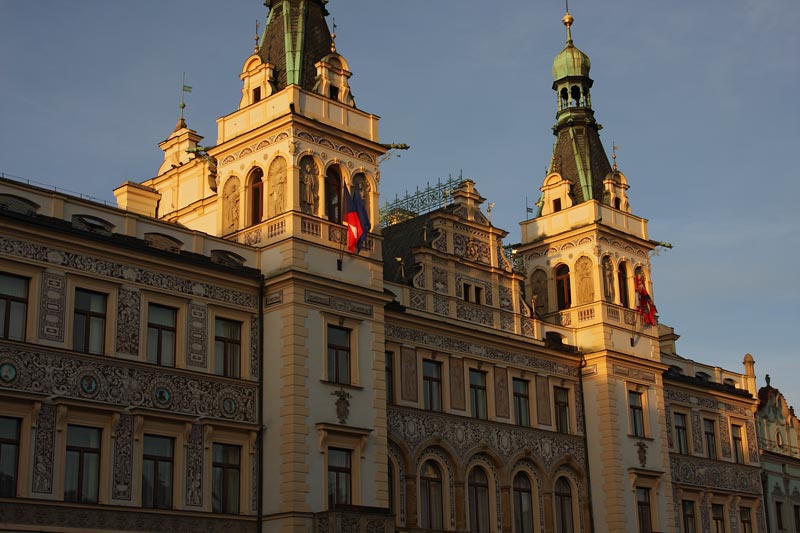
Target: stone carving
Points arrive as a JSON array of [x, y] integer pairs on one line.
[[608, 279], [440, 284], [255, 340], [128, 384], [116, 271], [543, 400], [724, 436], [230, 205], [43, 516], [445, 343], [697, 432], [417, 428], [397, 456], [715, 474], [309, 184], [52, 306], [583, 273], [506, 322], [474, 313], [194, 466], [408, 374], [487, 289], [44, 445], [123, 458], [457, 391], [273, 298], [338, 304], [501, 392], [539, 292], [277, 186], [197, 332], [441, 306], [578, 408], [642, 453], [705, 518], [322, 141], [634, 373], [752, 443], [506, 298], [668, 417], [342, 404], [471, 249], [361, 186], [419, 277], [128, 319], [440, 241], [417, 299]]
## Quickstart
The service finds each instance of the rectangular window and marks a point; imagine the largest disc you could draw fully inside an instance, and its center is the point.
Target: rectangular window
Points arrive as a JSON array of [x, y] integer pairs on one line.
[[477, 394], [89, 322], [338, 355], [522, 415], [389, 361], [9, 456], [643, 510], [82, 464], [561, 401], [797, 517], [738, 445], [681, 440], [779, 514], [225, 478], [746, 520], [636, 413], [432, 385], [227, 347], [161, 331], [689, 523], [157, 466], [340, 473], [13, 307], [709, 429], [718, 518]]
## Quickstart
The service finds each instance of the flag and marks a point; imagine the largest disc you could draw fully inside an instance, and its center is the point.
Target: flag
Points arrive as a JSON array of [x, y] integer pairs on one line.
[[352, 220], [363, 218], [187, 89], [646, 307]]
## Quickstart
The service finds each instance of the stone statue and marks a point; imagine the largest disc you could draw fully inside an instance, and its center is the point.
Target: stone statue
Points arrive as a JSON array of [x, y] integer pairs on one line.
[[583, 268], [539, 291], [608, 278], [230, 205], [277, 184], [361, 185], [308, 185]]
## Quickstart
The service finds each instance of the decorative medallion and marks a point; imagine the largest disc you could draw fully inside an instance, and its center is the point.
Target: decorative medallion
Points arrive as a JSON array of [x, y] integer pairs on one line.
[[342, 405], [162, 397], [89, 387], [8, 373], [229, 406]]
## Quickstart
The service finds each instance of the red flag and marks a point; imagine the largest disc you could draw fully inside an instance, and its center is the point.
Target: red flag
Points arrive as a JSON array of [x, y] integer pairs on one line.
[[646, 307], [352, 221]]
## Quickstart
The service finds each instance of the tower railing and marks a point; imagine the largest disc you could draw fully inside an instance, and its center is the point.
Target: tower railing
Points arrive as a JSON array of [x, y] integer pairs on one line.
[[419, 202]]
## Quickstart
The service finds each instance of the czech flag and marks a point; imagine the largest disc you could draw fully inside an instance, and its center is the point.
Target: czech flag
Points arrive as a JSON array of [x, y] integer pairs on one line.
[[356, 220], [646, 306]]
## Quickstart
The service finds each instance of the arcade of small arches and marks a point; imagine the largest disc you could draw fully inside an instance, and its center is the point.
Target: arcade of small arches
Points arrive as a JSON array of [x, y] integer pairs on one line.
[[259, 196], [564, 287], [574, 96], [435, 491]]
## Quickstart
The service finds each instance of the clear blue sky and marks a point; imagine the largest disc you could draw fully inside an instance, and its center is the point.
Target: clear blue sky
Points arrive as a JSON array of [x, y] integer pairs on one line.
[[701, 97]]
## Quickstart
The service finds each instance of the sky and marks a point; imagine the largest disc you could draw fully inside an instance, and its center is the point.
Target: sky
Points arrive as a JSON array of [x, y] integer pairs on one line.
[[700, 97]]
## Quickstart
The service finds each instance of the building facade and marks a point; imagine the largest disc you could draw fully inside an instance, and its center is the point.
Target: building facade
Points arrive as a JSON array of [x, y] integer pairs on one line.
[[208, 355]]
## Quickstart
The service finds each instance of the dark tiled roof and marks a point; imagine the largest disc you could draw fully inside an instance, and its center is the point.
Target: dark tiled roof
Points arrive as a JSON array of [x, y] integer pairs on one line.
[[316, 39], [591, 154], [398, 241], [672, 375]]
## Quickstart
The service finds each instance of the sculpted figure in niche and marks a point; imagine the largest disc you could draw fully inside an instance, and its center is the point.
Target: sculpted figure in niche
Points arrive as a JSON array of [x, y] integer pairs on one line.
[[608, 279], [361, 186], [583, 268], [539, 292], [308, 185], [277, 185], [230, 205]]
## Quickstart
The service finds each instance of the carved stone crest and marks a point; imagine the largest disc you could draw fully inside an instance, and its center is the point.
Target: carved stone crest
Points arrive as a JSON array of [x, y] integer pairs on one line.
[[342, 405]]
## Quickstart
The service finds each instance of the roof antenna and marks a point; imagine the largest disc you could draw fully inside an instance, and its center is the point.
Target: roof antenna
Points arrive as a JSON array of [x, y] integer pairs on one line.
[[255, 38], [333, 37]]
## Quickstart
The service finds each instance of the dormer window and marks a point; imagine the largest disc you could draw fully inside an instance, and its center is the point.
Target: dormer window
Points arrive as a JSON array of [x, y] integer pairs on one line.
[[256, 94], [556, 205], [333, 92]]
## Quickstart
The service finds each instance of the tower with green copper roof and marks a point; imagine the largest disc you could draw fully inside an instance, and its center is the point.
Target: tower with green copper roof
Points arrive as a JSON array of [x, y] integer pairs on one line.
[[578, 154]]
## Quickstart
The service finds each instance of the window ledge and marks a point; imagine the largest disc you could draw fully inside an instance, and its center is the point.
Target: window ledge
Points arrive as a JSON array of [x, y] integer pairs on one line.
[[343, 385]]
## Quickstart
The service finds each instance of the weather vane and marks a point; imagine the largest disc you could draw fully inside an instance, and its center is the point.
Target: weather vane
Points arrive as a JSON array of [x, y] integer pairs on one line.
[[333, 37], [614, 149], [255, 38], [184, 89]]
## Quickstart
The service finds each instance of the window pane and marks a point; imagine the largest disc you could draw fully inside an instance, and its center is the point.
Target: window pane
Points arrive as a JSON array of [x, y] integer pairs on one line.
[[13, 286], [217, 490], [16, 321], [164, 487], [8, 470], [148, 482], [72, 461], [97, 334], [162, 316]]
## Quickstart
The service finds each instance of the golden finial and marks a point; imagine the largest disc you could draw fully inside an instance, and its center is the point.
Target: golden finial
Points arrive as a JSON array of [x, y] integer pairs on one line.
[[567, 20], [333, 37], [255, 38], [614, 149]]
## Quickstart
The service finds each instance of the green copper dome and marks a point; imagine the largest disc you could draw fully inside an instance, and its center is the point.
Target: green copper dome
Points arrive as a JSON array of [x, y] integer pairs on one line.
[[570, 61]]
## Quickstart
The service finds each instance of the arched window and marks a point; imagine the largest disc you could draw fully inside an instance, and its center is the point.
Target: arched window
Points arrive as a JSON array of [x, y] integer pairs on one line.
[[563, 506], [256, 195], [478, 500], [333, 194], [563, 287], [430, 491], [622, 280], [523, 504]]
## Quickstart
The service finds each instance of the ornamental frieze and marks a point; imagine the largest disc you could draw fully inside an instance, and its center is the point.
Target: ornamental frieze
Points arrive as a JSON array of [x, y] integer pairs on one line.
[[706, 403], [327, 143], [338, 304], [417, 428], [255, 147], [634, 373], [125, 384], [715, 474], [123, 273], [460, 346]]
